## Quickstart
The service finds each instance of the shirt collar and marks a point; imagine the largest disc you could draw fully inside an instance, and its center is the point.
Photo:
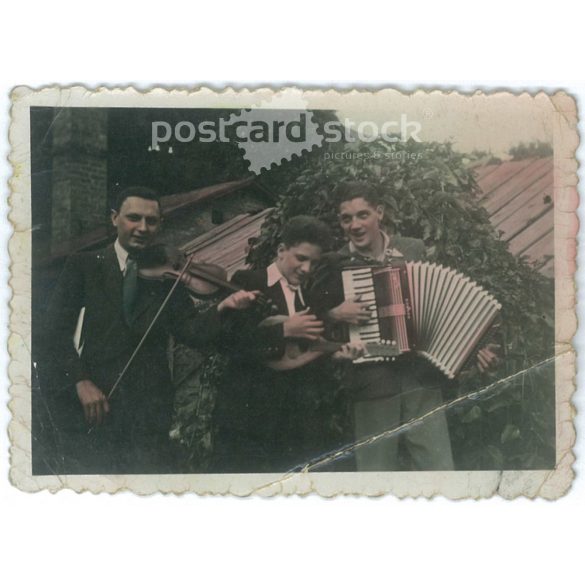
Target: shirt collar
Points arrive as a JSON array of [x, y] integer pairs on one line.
[[121, 255], [388, 251], [274, 275]]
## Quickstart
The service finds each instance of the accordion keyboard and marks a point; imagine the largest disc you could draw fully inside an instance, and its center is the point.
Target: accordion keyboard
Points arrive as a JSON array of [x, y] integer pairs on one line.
[[361, 282]]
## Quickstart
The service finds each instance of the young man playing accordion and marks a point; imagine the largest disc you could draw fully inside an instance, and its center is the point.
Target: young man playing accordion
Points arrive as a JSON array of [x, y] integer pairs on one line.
[[384, 395]]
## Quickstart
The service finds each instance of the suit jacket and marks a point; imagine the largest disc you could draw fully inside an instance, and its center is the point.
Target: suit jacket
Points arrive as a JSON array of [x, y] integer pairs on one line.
[[141, 407], [266, 421]]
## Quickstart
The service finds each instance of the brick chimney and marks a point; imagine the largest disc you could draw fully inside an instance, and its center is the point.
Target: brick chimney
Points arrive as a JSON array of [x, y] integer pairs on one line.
[[79, 182]]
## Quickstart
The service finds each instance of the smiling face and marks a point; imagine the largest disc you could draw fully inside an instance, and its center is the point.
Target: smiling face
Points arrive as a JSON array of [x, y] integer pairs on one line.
[[137, 223], [296, 262], [360, 222]]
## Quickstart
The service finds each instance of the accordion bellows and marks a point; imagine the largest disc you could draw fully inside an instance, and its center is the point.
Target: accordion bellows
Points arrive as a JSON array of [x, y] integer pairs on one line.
[[423, 307]]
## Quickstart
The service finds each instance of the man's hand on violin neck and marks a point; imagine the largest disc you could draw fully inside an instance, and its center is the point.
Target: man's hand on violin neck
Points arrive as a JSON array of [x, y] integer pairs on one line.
[[304, 326], [94, 402], [241, 299]]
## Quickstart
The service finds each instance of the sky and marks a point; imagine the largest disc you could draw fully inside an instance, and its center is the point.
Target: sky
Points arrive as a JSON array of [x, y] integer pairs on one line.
[[483, 122]]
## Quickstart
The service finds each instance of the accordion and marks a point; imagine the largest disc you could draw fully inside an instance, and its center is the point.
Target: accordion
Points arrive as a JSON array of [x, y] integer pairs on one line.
[[435, 311]]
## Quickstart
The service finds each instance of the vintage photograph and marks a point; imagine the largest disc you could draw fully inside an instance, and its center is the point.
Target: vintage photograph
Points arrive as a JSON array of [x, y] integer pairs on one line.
[[286, 291]]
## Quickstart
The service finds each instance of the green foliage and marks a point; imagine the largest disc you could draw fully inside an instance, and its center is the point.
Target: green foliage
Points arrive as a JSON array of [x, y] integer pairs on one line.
[[430, 194], [196, 378], [481, 157], [536, 149]]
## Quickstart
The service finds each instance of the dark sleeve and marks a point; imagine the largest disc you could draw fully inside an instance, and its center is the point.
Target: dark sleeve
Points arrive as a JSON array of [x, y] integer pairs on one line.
[[246, 333], [325, 289], [61, 318], [243, 279], [200, 329]]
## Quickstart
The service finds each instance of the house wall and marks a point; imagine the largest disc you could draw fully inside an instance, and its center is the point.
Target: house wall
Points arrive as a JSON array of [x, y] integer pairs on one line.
[[185, 225]]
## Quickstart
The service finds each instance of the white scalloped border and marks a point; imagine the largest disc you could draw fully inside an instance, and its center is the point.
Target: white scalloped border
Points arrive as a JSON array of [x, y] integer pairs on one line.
[[461, 484]]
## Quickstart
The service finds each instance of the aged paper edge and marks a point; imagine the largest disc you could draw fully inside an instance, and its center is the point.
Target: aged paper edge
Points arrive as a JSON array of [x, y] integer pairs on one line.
[[548, 484]]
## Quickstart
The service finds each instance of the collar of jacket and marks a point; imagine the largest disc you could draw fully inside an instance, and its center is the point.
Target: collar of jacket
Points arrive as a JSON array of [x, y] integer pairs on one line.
[[346, 254]]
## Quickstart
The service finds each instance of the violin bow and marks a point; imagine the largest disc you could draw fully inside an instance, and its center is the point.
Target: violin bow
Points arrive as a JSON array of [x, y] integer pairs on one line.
[[143, 338], [154, 319]]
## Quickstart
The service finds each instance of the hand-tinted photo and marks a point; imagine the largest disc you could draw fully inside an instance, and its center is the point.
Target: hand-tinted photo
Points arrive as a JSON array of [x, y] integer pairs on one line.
[[208, 302]]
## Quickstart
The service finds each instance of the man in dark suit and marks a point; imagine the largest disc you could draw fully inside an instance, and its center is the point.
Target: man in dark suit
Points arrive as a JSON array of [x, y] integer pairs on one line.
[[126, 432], [267, 420]]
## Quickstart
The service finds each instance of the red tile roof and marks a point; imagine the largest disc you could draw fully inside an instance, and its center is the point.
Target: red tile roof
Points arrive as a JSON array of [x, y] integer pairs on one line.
[[519, 197], [227, 244], [172, 203]]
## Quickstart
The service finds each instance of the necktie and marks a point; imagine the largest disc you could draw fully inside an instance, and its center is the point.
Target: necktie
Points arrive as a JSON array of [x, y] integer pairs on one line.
[[299, 305], [130, 287]]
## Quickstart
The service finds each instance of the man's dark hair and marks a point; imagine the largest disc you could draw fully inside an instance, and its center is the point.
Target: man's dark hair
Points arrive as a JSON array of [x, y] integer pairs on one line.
[[304, 228], [137, 191], [352, 190]]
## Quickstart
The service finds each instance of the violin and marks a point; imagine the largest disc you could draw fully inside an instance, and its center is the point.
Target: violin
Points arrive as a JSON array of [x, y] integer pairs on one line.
[[164, 263], [202, 279]]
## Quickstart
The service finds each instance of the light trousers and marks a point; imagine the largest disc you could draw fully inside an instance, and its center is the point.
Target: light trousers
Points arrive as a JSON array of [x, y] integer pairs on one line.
[[425, 443]]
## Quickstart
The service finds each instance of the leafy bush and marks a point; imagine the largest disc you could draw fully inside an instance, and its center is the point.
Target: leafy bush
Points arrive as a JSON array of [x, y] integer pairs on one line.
[[536, 149]]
